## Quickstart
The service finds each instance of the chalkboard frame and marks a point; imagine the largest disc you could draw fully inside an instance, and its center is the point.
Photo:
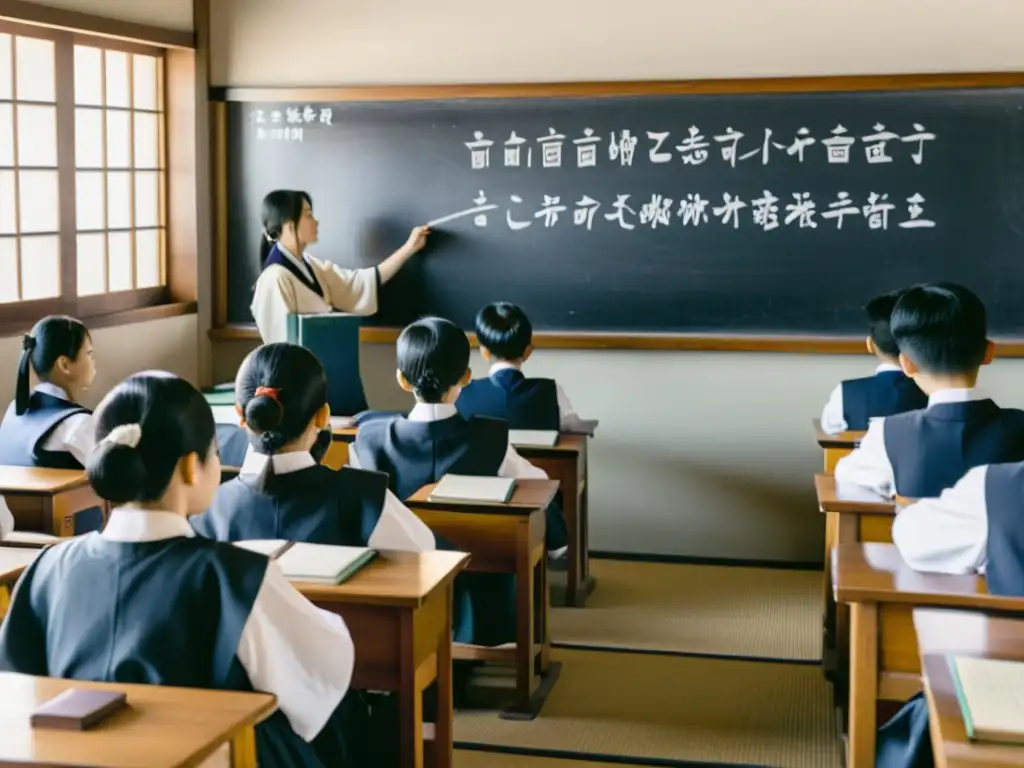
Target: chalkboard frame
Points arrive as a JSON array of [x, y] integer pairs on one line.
[[807, 344]]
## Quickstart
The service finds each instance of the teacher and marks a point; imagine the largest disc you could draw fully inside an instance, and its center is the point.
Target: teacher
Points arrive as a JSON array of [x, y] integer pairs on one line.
[[293, 282]]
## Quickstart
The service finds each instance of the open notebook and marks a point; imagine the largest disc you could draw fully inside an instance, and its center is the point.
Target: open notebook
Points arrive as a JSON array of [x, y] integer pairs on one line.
[[323, 563], [991, 697], [467, 489], [530, 437]]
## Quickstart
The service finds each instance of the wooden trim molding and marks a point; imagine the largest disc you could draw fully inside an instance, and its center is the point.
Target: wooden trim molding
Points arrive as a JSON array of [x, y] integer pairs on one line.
[[805, 344], [60, 18]]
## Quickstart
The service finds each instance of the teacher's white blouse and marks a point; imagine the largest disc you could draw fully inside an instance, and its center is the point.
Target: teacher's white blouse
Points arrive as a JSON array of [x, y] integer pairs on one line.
[[279, 293]]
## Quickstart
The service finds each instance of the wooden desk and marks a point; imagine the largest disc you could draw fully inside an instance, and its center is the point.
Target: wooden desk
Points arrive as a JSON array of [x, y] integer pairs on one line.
[[882, 591], [964, 633], [47, 500], [835, 446], [337, 455], [566, 462], [13, 560], [507, 538], [399, 612], [170, 727]]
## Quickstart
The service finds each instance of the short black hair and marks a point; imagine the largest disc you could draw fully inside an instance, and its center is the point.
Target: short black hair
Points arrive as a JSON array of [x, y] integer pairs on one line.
[[50, 339], [941, 327], [433, 356], [292, 387], [504, 330], [174, 420], [879, 313]]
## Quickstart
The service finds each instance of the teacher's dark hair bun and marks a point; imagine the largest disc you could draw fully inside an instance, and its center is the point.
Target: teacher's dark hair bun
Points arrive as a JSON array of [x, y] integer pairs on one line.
[[280, 207], [433, 356], [279, 387], [144, 427]]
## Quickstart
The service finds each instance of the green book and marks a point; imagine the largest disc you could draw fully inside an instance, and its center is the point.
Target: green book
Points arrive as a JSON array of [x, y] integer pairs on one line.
[[334, 339], [217, 397], [323, 563], [989, 694]]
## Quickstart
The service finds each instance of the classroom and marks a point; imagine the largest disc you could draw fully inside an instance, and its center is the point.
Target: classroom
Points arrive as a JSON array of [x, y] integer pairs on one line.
[[693, 204]]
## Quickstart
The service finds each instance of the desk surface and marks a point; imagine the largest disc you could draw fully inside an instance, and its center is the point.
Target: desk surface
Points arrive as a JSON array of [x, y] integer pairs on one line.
[[848, 439], [568, 443], [843, 497], [875, 573], [399, 579], [527, 496], [948, 724], [40, 480], [969, 633], [170, 726], [13, 560]]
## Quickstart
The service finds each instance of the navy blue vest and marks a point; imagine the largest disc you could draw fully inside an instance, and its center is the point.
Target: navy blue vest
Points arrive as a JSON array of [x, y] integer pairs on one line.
[[884, 394], [415, 453], [22, 437], [931, 449], [1004, 500], [315, 505], [507, 394]]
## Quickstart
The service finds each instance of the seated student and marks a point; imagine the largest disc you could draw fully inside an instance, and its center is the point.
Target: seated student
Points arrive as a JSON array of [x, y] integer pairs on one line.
[[506, 337], [281, 491], [855, 402], [46, 427], [973, 527], [941, 333], [190, 612], [434, 440]]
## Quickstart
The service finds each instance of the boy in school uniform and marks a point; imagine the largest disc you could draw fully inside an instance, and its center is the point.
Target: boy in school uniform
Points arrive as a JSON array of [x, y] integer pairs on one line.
[[854, 402], [941, 333], [973, 527], [506, 337]]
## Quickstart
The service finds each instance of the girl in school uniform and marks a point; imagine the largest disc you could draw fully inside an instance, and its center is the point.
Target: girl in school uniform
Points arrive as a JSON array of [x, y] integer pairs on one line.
[[434, 440], [293, 282], [190, 612], [46, 427], [282, 492]]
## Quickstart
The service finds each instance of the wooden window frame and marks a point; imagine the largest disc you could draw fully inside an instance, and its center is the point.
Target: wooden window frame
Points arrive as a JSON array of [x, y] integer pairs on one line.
[[177, 148]]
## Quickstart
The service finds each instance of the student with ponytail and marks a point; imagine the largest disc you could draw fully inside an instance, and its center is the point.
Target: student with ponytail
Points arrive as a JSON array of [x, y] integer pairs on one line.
[[434, 440], [293, 282], [282, 492], [190, 612], [45, 426]]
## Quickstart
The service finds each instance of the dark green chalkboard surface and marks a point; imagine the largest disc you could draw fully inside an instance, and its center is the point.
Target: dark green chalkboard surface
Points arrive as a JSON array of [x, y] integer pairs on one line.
[[770, 213]]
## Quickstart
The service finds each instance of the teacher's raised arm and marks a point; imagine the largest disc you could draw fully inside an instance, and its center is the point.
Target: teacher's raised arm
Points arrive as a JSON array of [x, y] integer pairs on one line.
[[293, 282]]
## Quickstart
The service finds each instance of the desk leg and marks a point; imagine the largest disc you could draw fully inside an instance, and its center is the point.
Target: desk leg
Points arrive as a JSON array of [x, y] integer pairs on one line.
[[542, 634], [243, 748], [525, 623], [443, 731], [863, 684], [410, 699], [828, 606]]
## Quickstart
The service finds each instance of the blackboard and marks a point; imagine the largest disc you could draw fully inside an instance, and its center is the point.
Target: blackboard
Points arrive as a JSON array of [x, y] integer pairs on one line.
[[944, 169]]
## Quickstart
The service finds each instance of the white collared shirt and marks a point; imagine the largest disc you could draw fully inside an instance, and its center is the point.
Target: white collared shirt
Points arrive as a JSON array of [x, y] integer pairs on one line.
[[568, 419], [832, 415], [869, 466], [279, 293], [288, 647], [397, 529], [948, 534]]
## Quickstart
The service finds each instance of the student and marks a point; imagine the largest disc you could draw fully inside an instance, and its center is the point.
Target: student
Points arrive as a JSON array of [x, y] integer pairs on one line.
[[293, 282], [46, 427], [855, 402], [282, 492], [506, 342], [973, 527], [190, 612], [941, 333], [434, 440]]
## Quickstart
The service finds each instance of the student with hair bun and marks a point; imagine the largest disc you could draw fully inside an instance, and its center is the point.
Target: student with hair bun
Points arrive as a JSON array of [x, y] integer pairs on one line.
[[46, 427], [282, 492], [147, 601], [434, 440]]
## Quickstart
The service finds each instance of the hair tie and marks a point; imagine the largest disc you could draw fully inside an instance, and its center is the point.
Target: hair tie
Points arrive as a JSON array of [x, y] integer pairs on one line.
[[429, 382], [272, 392], [28, 342], [267, 235], [128, 435]]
